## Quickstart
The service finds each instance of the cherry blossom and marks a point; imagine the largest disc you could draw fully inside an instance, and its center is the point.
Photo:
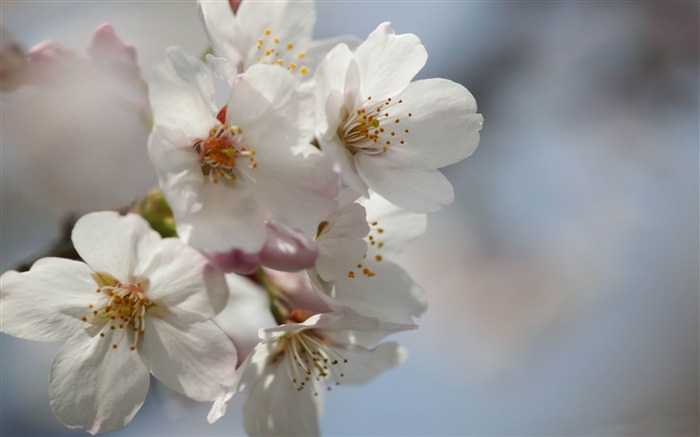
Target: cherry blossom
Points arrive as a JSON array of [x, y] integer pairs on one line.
[[276, 33], [225, 171], [368, 281], [289, 369], [138, 304], [386, 132]]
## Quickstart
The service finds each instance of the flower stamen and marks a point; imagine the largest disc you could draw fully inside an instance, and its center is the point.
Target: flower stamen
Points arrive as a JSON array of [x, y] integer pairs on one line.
[[220, 150]]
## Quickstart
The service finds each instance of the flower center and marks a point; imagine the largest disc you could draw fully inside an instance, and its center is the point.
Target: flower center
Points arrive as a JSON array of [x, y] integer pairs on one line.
[[373, 127], [119, 306], [219, 152], [309, 356], [271, 50]]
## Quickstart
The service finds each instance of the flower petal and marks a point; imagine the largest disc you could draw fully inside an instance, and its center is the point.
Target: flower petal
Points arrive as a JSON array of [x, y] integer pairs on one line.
[[390, 295], [246, 311], [388, 62], [254, 366], [112, 243], [194, 358], [337, 153], [276, 408], [95, 386], [287, 249], [329, 89], [112, 54], [414, 189], [341, 243], [47, 302], [223, 69], [439, 134], [291, 22], [365, 364], [298, 191], [221, 28], [181, 93], [176, 274], [225, 217], [392, 227]]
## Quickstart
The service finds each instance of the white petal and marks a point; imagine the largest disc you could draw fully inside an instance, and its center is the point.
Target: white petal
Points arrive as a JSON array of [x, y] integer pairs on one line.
[[225, 217], [247, 310], [47, 302], [96, 387], [221, 28], [273, 113], [414, 189], [439, 134], [388, 62], [177, 166], [390, 295], [176, 275], [223, 69], [252, 369], [365, 364], [337, 153], [297, 191], [181, 93], [290, 21], [275, 407], [112, 243], [318, 50], [341, 245], [196, 359], [398, 226], [329, 89]]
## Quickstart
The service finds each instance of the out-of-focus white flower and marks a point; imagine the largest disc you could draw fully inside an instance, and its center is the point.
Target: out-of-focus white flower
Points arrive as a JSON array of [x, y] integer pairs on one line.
[[287, 370], [225, 172], [76, 120], [140, 303], [367, 281], [387, 133], [276, 33]]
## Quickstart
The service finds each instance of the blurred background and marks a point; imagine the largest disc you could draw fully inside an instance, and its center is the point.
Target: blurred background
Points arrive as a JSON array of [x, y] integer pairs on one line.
[[563, 281]]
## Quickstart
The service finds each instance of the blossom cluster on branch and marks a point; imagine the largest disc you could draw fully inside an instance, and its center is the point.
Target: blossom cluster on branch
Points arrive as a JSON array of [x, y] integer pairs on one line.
[[264, 263]]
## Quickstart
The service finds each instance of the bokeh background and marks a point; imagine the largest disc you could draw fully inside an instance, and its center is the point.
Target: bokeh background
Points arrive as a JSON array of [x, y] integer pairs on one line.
[[563, 281]]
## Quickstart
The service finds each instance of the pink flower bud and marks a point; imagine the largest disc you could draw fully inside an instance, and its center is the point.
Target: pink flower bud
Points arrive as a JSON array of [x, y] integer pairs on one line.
[[235, 4], [235, 261], [49, 54], [111, 54], [287, 249]]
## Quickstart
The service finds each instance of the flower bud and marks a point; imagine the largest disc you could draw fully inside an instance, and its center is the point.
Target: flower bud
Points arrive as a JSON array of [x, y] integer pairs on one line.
[[287, 249]]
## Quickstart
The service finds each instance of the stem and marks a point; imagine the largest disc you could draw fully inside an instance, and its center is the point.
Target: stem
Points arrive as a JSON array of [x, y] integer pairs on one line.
[[278, 307]]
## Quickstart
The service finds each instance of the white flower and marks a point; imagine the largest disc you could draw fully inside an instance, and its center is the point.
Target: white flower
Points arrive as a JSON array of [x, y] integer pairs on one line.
[[287, 370], [276, 33], [225, 171], [368, 281], [138, 303], [386, 133]]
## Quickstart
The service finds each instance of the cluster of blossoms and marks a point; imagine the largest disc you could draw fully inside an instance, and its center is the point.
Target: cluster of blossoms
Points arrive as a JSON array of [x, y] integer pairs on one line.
[[286, 203]]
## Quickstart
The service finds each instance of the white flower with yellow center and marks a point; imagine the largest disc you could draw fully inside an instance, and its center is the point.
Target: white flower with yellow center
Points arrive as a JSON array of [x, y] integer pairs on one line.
[[225, 171], [294, 363], [139, 303], [386, 132], [262, 32], [354, 268]]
